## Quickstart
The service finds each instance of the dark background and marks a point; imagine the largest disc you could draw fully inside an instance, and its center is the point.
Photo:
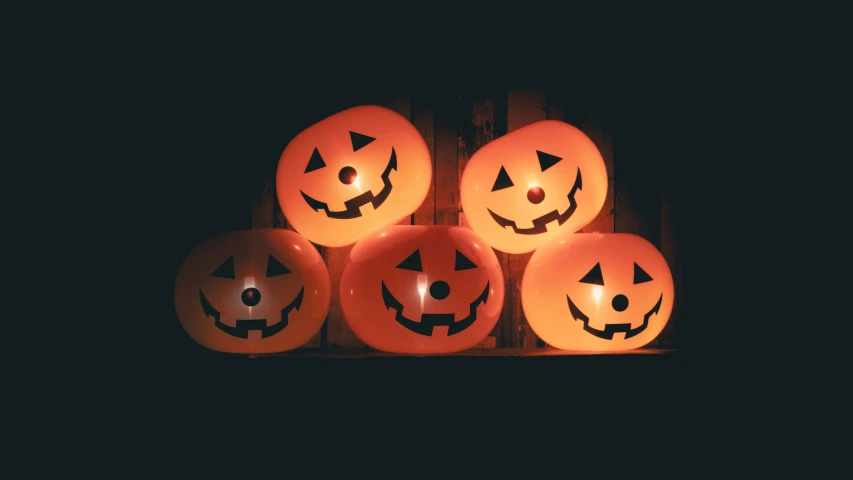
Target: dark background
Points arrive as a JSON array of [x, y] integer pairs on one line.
[[190, 109], [216, 135], [163, 116]]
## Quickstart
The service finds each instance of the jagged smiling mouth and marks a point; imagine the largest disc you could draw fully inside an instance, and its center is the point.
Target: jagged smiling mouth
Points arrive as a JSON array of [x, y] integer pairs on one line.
[[430, 320], [354, 204], [243, 326], [539, 224], [611, 328]]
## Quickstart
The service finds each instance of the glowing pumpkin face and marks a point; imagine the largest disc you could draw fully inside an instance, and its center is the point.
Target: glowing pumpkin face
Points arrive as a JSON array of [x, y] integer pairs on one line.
[[252, 291], [525, 188], [422, 289], [597, 292], [352, 173]]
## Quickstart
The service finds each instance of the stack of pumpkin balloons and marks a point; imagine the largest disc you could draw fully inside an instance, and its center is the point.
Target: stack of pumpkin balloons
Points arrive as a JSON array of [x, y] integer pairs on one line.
[[426, 289]]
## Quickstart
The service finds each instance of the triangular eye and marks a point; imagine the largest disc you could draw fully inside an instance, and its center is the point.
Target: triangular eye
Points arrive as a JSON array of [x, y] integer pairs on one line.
[[594, 276], [546, 160], [640, 275], [226, 270], [359, 140], [274, 267], [413, 262], [503, 180], [315, 162], [462, 262]]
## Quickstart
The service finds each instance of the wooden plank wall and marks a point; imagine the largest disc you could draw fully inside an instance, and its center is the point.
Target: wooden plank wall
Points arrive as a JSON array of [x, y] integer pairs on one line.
[[475, 127], [455, 124]]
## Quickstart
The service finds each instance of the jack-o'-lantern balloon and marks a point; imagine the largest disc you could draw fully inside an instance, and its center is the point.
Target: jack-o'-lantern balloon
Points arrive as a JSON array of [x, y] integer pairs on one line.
[[422, 289], [525, 188], [253, 291], [597, 292], [352, 173]]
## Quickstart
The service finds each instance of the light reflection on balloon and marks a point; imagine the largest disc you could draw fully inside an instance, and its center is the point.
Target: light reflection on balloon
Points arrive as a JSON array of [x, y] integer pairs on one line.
[[597, 292], [392, 174], [411, 289], [551, 155], [288, 273]]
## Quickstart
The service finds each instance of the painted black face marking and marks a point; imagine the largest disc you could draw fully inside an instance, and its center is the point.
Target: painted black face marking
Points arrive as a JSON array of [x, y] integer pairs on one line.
[[354, 204], [430, 320], [359, 140], [243, 326], [503, 181], [275, 268], [539, 224], [546, 160], [412, 262], [640, 275], [226, 270], [462, 262], [315, 162], [619, 303], [611, 328], [439, 290], [594, 276], [251, 297]]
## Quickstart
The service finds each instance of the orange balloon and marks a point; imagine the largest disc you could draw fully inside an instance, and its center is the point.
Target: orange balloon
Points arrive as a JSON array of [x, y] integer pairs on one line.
[[524, 189], [597, 292], [422, 289], [352, 173], [252, 291]]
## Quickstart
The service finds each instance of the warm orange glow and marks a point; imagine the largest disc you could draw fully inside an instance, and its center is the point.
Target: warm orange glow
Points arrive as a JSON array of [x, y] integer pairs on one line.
[[597, 291], [562, 292], [499, 176], [351, 174], [426, 271], [218, 277]]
